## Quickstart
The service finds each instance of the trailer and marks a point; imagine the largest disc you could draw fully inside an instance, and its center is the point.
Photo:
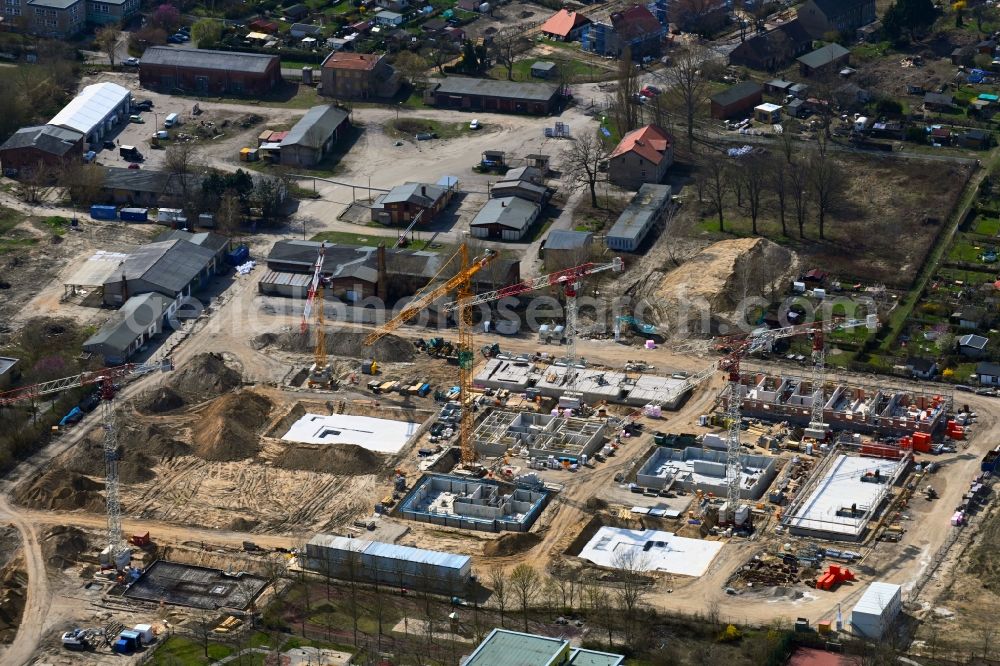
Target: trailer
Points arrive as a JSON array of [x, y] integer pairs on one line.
[[134, 214]]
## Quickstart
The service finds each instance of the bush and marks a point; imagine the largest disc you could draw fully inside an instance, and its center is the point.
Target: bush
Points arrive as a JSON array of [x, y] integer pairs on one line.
[[889, 107], [730, 635]]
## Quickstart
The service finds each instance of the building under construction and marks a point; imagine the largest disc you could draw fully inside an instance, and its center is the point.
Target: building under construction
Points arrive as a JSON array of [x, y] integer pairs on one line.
[[695, 468], [472, 504], [541, 435], [874, 409]]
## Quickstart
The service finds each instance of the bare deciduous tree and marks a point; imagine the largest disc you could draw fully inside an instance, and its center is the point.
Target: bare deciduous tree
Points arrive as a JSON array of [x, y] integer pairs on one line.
[[228, 216], [501, 593], [582, 161], [34, 183], [779, 185], [524, 580], [631, 565], [507, 44], [625, 110], [82, 182], [687, 83], [828, 182], [798, 182], [716, 177], [754, 177], [107, 40]]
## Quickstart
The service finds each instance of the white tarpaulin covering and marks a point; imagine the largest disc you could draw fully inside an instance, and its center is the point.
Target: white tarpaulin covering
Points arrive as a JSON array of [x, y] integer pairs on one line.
[[381, 435], [89, 109], [612, 546]]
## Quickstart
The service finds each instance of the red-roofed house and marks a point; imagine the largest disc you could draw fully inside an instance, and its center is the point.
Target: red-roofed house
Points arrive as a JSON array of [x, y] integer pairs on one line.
[[358, 76], [642, 156], [565, 25]]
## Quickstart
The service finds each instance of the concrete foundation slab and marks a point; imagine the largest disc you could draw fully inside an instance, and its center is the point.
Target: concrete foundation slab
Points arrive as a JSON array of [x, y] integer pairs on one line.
[[380, 435], [650, 550]]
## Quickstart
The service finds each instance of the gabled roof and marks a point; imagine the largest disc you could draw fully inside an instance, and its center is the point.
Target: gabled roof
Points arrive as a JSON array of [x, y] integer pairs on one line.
[[524, 173], [149, 181], [567, 239], [510, 212], [420, 194], [784, 40], [342, 60], [564, 22], [212, 241], [938, 98], [47, 138], [465, 85], [306, 28], [313, 130], [129, 322], [649, 142], [635, 22], [973, 341], [170, 265], [736, 93], [247, 63], [823, 56], [988, 368], [920, 364]]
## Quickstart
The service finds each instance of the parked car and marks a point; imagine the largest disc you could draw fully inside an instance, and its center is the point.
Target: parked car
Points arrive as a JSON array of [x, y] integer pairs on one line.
[[132, 62], [108, 144], [474, 125], [174, 39], [137, 119], [144, 105], [133, 165]]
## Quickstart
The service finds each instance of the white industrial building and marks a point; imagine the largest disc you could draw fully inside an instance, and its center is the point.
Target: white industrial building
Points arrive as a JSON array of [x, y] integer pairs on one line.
[[386, 563], [97, 110], [875, 613]]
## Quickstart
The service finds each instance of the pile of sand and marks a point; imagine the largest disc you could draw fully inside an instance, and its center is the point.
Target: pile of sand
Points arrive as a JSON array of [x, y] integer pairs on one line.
[[160, 401], [60, 490], [230, 428], [347, 459], [204, 377], [511, 544], [720, 277], [12, 600], [63, 545], [140, 447], [349, 344]]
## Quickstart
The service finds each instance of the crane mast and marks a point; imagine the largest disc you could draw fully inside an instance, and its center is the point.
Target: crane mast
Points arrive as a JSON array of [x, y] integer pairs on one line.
[[320, 374]]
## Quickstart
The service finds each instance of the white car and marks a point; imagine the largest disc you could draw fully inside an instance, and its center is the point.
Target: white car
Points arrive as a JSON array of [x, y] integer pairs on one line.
[[474, 125], [132, 62]]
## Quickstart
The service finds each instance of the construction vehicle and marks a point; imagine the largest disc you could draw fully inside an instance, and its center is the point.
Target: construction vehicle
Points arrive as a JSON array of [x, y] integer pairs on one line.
[[930, 493], [116, 554], [320, 374], [637, 326], [461, 284]]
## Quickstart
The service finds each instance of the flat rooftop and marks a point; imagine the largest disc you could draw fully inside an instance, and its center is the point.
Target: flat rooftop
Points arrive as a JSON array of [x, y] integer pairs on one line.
[[653, 550], [695, 466], [505, 373], [841, 488], [380, 435], [195, 587], [653, 388]]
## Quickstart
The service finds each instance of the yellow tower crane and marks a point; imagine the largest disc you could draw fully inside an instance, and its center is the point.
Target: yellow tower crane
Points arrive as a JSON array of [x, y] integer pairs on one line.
[[461, 284]]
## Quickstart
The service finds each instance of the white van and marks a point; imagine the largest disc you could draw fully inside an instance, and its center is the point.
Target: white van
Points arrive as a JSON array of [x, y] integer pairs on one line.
[[171, 120]]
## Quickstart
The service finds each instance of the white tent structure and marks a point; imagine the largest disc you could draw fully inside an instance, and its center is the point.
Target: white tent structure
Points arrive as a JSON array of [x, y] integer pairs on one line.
[[96, 110]]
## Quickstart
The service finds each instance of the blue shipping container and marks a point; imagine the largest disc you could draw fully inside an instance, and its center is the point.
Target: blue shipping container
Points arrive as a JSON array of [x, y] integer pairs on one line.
[[99, 212], [121, 647], [238, 256], [134, 214]]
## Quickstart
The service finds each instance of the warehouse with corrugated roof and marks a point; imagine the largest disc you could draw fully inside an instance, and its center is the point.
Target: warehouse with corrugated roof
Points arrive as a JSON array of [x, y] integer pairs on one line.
[[97, 110]]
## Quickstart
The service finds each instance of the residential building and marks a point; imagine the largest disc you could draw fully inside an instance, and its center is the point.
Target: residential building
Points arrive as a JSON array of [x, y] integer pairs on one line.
[[462, 92], [972, 345], [358, 76], [642, 156], [824, 60], [823, 17], [921, 368], [738, 100], [47, 145], [543, 69], [174, 268], [403, 203], [129, 328], [56, 19], [95, 111], [111, 11], [700, 16], [506, 218], [641, 216], [314, 136], [774, 49], [209, 72], [635, 28], [565, 248], [565, 26], [513, 648], [987, 373]]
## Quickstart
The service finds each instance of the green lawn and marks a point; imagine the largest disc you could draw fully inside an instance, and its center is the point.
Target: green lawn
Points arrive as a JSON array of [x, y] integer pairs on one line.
[[575, 71], [177, 650], [9, 219], [986, 226], [57, 224], [967, 251]]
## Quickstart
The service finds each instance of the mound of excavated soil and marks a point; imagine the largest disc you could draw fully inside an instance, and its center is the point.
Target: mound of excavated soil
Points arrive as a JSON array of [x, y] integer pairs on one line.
[[243, 524], [389, 349], [511, 544], [230, 428], [62, 546], [140, 446], [204, 377], [330, 459], [720, 277], [12, 600], [162, 400], [60, 490]]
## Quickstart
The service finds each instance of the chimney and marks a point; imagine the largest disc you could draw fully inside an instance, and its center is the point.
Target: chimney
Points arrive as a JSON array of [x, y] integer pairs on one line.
[[423, 190], [382, 279], [503, 204]]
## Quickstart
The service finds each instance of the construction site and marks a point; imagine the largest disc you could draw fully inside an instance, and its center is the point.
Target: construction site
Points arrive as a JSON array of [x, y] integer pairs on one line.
[[254, 453]]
